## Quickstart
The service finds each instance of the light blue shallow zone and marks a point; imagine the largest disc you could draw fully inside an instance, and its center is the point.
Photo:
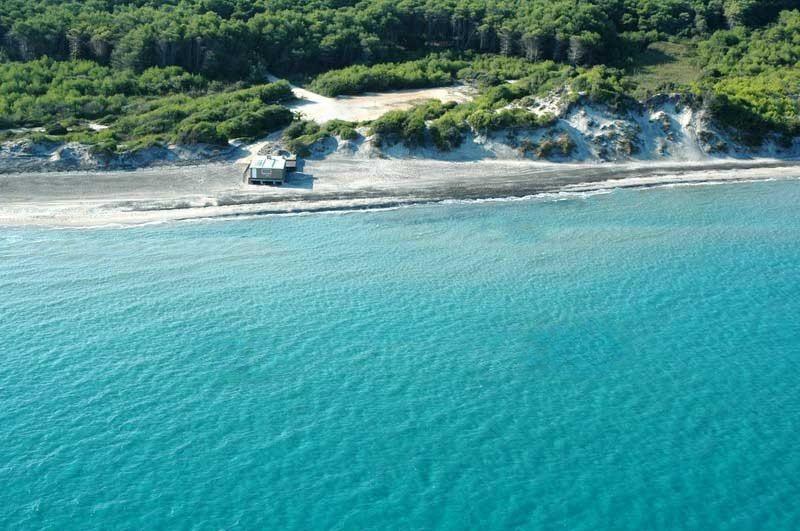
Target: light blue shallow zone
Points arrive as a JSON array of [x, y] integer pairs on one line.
[[627, 360]]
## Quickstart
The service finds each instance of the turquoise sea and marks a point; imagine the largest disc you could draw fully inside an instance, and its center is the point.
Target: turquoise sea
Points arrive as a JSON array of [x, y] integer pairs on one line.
[[628, 360]]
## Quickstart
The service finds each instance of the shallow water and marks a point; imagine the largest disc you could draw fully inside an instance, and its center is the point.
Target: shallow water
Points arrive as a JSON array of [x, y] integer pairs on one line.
[[627, 360]]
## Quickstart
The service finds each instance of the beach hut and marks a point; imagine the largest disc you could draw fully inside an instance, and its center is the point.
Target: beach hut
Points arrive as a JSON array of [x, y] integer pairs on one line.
[[266, 170], [291, 160]]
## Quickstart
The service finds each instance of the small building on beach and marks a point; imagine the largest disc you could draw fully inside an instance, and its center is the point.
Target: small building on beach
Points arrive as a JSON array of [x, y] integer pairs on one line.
[[266, 170]]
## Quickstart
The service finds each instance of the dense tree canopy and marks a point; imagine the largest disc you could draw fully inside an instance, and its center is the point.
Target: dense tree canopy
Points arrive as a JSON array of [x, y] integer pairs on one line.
[[755, 76], [64, 60], [230, 38]]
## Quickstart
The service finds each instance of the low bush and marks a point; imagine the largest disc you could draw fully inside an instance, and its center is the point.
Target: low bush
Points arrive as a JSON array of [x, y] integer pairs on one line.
[[55, 129], [434, 70], [242, 113], [562, 146]]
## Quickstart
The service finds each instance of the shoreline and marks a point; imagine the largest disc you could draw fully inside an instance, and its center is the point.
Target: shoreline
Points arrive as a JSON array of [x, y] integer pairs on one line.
[[131, 198]]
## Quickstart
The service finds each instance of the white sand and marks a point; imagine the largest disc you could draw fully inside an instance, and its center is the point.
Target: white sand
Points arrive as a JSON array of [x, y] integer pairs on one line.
[[216, 190], [371, 105]]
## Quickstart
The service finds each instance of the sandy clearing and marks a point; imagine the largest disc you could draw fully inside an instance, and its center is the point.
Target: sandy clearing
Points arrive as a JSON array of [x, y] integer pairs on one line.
[[370, 105]]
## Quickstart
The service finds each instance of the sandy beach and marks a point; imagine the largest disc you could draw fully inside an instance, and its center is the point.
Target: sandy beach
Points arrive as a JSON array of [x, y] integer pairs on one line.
[[90, 199], [356, 175]]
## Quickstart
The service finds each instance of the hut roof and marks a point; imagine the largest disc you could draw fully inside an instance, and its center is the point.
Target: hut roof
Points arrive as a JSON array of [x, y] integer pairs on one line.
[[267, 163]]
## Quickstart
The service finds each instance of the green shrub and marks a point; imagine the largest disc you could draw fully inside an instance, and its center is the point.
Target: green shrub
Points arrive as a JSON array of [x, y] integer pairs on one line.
[[242, 113], [199, 133], [348, 133], [434, 70], [105, 147], [604, 85], [301, 145], [251, 123], [55, 129], [390, 124], [342, 129], [169, 80], [300, 128], [447, 132], [563, 146], [302, 134]]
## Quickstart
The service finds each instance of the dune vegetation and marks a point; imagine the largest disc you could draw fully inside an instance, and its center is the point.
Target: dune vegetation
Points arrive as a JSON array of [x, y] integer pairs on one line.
[[194, 71]]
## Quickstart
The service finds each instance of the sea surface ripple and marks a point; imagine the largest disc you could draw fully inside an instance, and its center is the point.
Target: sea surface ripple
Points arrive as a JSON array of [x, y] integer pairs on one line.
[[627, 360]]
